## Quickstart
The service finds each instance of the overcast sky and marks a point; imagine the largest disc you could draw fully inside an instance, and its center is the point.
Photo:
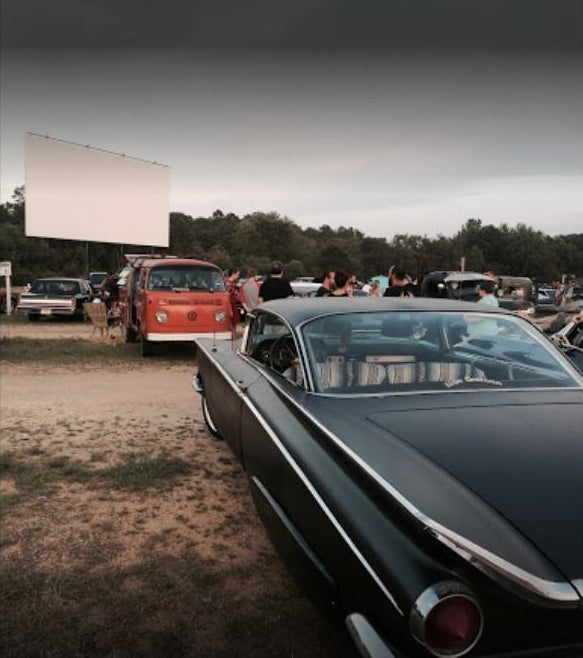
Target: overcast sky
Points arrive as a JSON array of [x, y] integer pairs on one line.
[[391, 117]]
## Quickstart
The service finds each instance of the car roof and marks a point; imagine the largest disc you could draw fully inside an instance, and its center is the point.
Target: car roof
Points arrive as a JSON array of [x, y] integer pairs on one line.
[[299, 310], [60, 278]]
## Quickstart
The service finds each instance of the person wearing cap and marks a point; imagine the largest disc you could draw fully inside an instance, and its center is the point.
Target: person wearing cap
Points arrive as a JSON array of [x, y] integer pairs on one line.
[[275, 287]]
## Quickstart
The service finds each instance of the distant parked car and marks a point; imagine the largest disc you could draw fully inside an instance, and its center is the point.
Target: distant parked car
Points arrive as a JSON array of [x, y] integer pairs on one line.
[[462, 286], [55, 296], [95, 281], [304, 288]]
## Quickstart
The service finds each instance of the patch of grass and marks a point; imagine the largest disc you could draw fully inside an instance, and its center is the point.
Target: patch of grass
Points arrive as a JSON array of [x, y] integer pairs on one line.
[[73, 351], [66, 351], [39, 477], [142, 472], [9, 500]]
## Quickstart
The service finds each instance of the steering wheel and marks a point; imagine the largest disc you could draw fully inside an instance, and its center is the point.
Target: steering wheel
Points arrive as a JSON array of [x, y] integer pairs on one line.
[[282, 353]]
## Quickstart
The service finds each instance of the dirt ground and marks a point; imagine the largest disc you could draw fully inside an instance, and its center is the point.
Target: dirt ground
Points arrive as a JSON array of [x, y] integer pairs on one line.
[[98, 416]]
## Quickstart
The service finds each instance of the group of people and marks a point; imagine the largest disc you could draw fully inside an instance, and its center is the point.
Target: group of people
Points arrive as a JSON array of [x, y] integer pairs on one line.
[[253, 291], [334, 283]]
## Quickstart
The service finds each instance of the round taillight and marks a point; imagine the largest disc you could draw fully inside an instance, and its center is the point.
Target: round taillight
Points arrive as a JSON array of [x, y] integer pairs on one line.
[[447, 620]]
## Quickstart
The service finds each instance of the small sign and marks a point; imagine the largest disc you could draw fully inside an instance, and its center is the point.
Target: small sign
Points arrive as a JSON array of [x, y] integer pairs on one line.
[[5, 268]]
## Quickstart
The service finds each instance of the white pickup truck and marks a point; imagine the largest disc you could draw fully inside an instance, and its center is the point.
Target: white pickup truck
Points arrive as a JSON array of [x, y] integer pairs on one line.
[[55, 297]]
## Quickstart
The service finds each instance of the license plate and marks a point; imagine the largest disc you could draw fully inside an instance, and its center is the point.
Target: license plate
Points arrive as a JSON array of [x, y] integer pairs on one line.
[[45, 311]]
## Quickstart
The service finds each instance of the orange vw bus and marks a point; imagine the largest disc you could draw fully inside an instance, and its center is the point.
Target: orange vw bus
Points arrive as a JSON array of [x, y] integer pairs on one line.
[[173, 299]]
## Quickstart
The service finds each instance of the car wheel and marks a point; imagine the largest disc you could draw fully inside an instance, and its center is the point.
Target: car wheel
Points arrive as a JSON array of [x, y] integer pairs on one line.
[[33, 317], [208, 419], [145, 346]]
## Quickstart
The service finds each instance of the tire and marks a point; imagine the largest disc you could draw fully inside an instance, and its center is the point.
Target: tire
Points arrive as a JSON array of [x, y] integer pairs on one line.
[[33, 317], [145, 346], [208, 419]]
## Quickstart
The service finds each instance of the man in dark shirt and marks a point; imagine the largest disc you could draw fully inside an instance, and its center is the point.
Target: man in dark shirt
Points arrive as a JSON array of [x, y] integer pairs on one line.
[[400, 284], [327, 285], [276, 287]]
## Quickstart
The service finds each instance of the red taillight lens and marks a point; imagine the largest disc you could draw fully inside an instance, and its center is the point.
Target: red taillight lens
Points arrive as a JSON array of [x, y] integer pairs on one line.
[[446, 619], [453, 626]]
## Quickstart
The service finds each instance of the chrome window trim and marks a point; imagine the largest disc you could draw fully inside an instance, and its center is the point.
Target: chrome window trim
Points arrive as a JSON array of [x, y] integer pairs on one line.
[[448, 391]]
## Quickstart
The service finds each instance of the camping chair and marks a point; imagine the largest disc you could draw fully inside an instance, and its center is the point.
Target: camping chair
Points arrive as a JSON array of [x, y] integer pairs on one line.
[[97, 313]]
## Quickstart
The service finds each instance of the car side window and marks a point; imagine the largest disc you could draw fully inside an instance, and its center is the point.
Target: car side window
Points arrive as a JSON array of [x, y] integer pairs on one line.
[[271, 343]]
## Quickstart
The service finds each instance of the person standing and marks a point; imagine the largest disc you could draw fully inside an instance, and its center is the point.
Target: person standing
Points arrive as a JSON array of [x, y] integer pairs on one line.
[[399, 284], [325, 290], [249, 291], [352, 284], [341, 290], [486, 293], [110, 293], [375, 289], [275, 287], [231, 286]]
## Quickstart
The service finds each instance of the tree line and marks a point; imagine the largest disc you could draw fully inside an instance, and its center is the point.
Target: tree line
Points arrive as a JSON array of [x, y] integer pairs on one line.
[[256, 239]]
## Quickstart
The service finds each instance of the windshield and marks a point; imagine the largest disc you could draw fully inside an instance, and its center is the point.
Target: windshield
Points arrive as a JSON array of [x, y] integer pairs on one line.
[[385, 352], [186, 277]]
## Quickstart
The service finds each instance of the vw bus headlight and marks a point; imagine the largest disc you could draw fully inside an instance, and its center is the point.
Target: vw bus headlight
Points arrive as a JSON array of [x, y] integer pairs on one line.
[[220, 316], [161, 316]]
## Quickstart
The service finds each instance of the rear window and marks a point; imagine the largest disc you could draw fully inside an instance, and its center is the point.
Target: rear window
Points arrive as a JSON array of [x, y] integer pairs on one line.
[[395, 351], [45, 287], [97, 278], [186, 277]]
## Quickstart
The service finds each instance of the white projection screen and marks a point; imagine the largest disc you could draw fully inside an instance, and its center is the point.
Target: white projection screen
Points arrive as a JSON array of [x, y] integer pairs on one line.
[[76, 192]]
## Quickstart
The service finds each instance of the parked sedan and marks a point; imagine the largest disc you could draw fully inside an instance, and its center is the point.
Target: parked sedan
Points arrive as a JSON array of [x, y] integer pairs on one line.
[[55, 296], [418, 464]]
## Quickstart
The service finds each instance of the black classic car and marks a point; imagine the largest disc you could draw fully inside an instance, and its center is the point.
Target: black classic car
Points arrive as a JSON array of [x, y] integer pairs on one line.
[[462, 286], [418, 463]]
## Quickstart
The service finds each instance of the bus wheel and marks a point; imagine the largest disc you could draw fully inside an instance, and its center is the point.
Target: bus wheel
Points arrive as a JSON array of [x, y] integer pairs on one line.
[[145, 346]]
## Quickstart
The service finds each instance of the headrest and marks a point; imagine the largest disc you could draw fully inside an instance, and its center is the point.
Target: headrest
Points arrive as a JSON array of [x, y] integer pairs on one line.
[[398, 327]]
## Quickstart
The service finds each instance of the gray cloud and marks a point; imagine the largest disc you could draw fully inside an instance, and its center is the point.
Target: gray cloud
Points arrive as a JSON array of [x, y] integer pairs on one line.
[[297, 24]]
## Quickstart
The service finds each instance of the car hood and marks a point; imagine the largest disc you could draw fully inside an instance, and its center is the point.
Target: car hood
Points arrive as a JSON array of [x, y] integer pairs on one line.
[[486, 472]]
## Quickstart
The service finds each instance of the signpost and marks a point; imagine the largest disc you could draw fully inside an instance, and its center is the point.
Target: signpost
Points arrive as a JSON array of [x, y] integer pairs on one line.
[[6, 271]]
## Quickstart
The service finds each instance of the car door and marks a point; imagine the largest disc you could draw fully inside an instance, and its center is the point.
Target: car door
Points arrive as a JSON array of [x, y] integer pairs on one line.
[[225, 377]]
